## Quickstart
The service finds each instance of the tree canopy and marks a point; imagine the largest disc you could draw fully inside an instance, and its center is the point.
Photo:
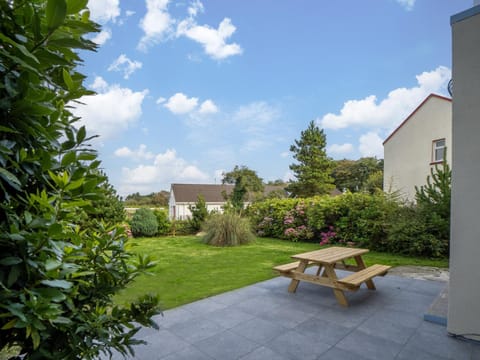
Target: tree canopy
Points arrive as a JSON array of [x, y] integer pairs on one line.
[[246, 181], [364, 174], [313, 168]]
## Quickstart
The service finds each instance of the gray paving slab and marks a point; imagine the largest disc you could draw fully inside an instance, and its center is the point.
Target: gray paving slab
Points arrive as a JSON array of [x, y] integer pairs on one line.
[[264, 321]]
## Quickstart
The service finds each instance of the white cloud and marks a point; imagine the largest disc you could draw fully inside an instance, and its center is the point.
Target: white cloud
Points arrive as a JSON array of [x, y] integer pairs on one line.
[[125, 65], [156, 23], [208, 107], [181, 104], [371, 145], [111, 111], [160, 100], [139, 154], [102, 37], [407, 4], [129, 13], [195, 7], [389, 112], [165, 169], [255, 117], [288, 176], [285, 154], [213, 40], [340, 149], [103, 11]]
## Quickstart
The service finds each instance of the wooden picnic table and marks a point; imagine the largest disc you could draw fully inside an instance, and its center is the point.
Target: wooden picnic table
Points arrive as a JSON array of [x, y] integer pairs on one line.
[[330, 259]]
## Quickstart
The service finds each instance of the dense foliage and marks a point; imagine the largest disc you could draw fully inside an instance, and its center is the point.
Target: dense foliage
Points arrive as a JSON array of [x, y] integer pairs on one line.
[[199, 213], [58, 273], [153, 199], [164, 225], [364, 174], [246, 183], [144, 223], [228, 229], [313, 168], [359, 219]]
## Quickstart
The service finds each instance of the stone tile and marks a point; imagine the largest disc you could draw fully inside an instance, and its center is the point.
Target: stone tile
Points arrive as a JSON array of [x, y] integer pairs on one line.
[[441, 345], [339, 354], [158, 346], [295, 345], [226, 345], [286, 316], [196, 329], [202, 307], [256, 306], [229, 317], [189, 353], [263, 353], [324, 331], [411, 352], [239, 296], [476, 351], [387, 329], [399, 317], [368, 346], [427, 287], [259, 330], [172, 317], [349, 317]]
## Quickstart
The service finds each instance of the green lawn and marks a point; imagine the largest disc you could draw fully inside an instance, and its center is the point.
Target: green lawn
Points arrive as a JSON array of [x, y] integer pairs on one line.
[[189, 270]]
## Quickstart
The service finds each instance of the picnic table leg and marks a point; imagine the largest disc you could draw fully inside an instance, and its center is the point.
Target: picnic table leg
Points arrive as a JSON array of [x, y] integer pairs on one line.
[[361, 265], [339, 294], [294, 283]]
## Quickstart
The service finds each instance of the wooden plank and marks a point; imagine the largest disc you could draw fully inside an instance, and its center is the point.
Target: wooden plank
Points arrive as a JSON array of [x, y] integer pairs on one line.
[[318, 280], [286, 267], [330, 255], [364, 275], [294, 283]]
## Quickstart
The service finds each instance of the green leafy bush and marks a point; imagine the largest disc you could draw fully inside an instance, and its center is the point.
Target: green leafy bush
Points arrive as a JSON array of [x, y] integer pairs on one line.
[[58, 273], [164, 225], [199, 214], [144, 223], [228, 229]]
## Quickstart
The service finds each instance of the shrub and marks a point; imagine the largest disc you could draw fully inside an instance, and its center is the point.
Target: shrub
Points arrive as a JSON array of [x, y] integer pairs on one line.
[[144, 223], [58, 275], [228, 229], [181, 227], [199, 214], [164, 225]]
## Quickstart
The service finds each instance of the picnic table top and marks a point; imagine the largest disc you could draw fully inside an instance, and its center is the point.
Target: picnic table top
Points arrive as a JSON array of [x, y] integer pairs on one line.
[[330, 255]]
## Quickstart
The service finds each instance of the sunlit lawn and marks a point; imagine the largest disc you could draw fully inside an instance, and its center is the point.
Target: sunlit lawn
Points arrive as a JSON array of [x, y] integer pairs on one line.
[[189, 270]]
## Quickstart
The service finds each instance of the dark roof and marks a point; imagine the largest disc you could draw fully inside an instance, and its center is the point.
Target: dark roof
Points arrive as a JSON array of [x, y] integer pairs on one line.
[[414, 111], [210, 192]]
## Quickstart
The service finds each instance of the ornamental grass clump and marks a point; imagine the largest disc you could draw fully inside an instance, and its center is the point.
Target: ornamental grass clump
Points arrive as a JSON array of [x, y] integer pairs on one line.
[[228, 229]]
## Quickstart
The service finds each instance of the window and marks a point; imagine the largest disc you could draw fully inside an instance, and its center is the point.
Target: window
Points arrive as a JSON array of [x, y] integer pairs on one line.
[[438, 151]]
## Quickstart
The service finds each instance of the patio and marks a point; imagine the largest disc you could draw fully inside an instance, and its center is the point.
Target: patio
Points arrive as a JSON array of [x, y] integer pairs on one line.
[[264, 321]]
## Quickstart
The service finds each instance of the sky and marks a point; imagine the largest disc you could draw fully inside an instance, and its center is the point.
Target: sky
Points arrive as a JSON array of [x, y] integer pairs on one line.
[[187, 90]]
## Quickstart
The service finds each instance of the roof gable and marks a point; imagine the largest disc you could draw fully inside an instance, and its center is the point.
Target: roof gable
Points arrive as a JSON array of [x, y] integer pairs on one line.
[[414, 112]]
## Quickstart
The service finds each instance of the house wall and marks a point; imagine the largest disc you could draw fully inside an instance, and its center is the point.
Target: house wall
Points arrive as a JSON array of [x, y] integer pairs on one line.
[[183, 212], [408, 153], [464, 287]]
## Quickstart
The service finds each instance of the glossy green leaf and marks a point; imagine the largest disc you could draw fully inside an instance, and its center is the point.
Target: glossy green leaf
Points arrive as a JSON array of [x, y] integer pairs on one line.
[[63, 284], [81, 134], [10, 260], [10, 178], [52, 264], [74, 6], [56, 11], [75, 184], [68, 158], [68, 79]]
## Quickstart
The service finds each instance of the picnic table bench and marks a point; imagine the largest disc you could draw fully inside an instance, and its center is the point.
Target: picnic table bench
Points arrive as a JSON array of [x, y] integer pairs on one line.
[[328, 260]]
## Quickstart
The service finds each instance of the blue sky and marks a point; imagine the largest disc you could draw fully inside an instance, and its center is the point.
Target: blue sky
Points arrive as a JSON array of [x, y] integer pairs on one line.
[[188, 89]]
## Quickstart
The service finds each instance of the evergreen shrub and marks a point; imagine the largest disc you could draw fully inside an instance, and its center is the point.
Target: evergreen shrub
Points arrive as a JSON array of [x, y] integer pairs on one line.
[[164, 224], [144, 223]]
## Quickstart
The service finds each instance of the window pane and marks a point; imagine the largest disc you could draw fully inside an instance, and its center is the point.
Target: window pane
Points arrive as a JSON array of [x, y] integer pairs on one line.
[[439, 154]]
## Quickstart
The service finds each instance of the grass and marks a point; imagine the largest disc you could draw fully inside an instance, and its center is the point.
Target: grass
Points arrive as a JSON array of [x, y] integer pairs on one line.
[[190, 270]]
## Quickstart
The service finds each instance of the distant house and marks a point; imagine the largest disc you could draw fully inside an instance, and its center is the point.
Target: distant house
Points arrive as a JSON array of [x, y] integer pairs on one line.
[[422, 140], [184, 195]]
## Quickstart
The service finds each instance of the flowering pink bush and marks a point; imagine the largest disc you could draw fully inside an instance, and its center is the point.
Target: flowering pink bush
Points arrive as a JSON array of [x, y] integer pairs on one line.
[[328, 236]]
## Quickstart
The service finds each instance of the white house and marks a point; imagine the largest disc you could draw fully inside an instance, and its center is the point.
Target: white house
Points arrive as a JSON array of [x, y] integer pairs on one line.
[[184, 195], [421, 141]]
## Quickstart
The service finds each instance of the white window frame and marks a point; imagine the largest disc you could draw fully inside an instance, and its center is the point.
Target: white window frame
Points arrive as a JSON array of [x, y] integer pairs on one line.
[[436, 147]]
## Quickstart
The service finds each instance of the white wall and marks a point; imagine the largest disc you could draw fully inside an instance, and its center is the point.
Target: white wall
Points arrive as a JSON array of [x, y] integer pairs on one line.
[[464, 288], [408, 153]]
